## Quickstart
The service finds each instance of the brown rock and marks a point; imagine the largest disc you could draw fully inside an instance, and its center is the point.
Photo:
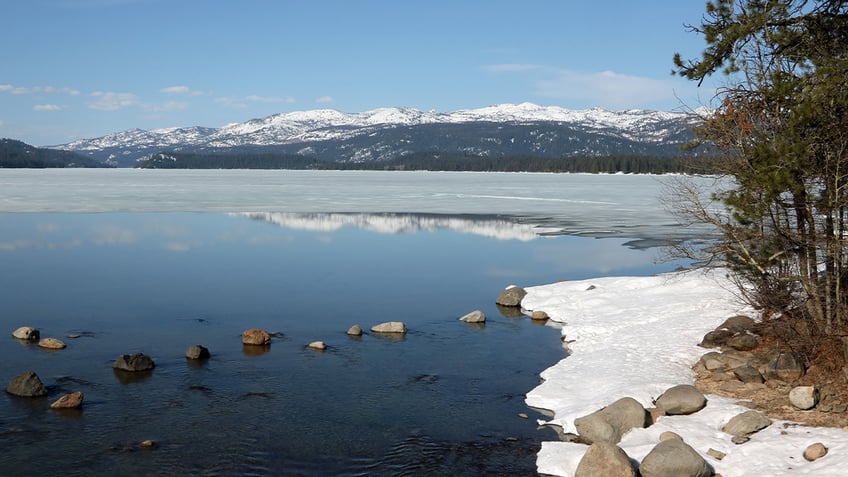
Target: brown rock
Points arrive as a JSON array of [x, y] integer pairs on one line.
[[815, 451], [539, 315], [604, 459], [68, 401], [255, 336], [51, 343]]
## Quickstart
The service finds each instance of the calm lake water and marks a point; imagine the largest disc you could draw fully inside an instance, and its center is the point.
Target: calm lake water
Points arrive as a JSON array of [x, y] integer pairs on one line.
[[155, 261]]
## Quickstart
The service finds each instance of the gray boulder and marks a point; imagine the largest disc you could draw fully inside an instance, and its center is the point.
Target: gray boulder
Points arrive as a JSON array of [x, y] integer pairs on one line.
[[748, 374], [804, 397], [26, 384], [26, 333], [604, 459], [673, 457], [682, 399], [747, 423], [134, 362], [512, 296], [743, 341], [475, 316], [355, 330], [785, 366], [610, 423], [389, 327], [715, 338], [737, 324], [197, 352]]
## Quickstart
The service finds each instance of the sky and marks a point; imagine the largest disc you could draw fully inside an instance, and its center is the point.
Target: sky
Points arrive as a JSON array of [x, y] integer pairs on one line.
[[77, 69]]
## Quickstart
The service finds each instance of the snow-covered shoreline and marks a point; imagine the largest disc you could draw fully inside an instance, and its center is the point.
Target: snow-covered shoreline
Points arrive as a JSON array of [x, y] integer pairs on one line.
[[636, 337]]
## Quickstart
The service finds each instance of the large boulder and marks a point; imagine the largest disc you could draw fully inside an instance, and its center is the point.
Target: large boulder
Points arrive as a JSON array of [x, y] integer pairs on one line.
[[255, 336], [389, 327], [737, 324], [747, 423], [604, 459], [134, 362], [26, 384], [804, 397], [673, 457], [512, 296], [715, 338], [743, 341], [610, 423], [786, 366], [475, 316], [681, 399], [748, 374], [26, 333]]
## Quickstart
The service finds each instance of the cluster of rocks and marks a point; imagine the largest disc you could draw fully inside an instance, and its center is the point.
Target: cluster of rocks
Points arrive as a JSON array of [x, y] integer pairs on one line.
[[602, 431], [741, 367], [509, 302], [735, 367], [28, 384]]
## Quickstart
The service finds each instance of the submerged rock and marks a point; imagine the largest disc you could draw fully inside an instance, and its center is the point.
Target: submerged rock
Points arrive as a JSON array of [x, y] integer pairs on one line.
[[68, 401], [51, 343], [134, 362], [255, 336], [197, 352], [317, 345], [475, 316], [389, 327], [26, 384]]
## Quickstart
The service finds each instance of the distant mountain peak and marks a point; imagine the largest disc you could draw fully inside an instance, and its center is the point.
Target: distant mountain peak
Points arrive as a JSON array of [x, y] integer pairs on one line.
[[401, 130]]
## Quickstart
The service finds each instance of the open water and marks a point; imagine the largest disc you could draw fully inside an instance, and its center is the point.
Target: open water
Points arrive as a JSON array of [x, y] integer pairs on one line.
[[155, 261]]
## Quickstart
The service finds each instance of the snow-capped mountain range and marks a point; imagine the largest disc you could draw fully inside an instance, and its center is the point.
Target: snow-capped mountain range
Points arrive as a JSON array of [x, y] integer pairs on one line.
[[387, 133]]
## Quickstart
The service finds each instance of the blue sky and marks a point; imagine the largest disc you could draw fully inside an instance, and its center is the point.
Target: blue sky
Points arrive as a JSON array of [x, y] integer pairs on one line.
[[76, 69]]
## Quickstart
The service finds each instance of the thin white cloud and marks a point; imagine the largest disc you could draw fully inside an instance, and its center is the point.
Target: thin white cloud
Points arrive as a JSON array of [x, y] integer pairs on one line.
[[231, 102], [47, 107], [269, 99], [605, 88], [325, 100], [111, 101], [166, 107], [511, 68], [181, 90], [8, 88]]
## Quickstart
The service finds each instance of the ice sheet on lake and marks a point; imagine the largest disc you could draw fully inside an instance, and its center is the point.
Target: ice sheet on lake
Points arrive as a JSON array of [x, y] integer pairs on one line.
[[581, 204]]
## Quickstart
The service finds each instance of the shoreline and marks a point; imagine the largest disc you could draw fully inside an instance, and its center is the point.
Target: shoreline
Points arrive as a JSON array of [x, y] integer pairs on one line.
[[637, 337]]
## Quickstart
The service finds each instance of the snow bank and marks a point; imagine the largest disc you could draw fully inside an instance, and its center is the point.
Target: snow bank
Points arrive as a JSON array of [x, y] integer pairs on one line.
[[637, 336]]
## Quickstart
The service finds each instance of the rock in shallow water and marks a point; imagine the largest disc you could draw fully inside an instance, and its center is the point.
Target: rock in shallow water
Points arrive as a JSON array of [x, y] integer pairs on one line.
[[389, 327], [134, 362], [355, 330], [51, 343], [197, 352], [255, 336], [512, 296], [69, 401], [475, 316], [26, 384], [26, 333]]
